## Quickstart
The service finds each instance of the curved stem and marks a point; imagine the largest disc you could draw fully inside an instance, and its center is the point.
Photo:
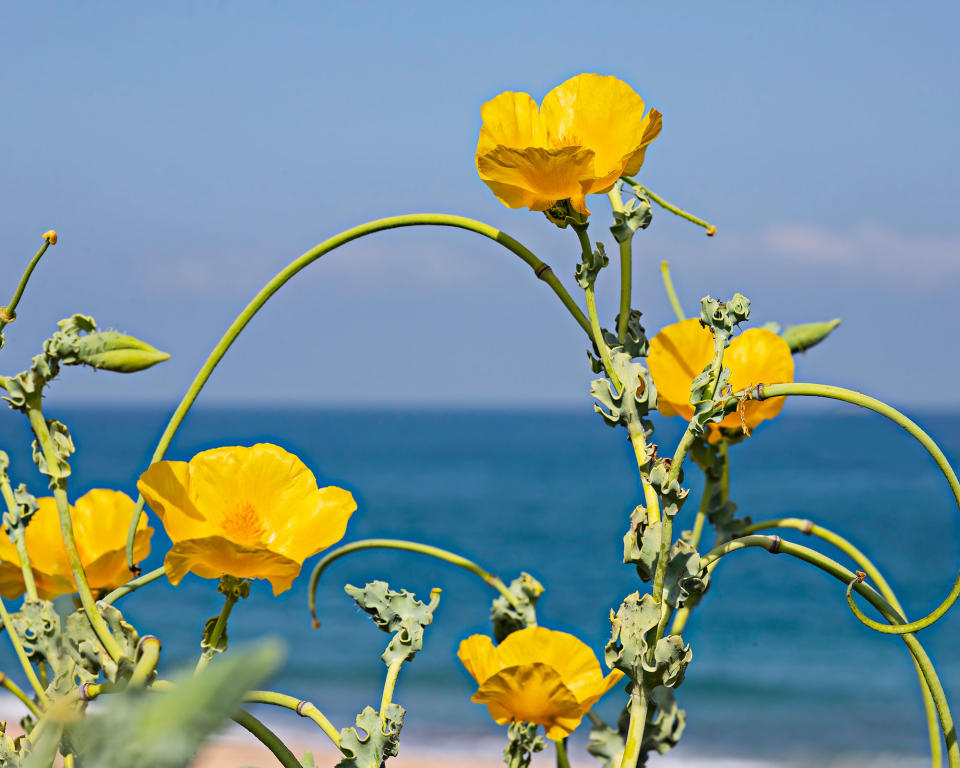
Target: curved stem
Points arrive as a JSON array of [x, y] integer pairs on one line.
[[18, 538], [303, 708], [406, 546], [811, 529], [711, 230], [22, 655], [17, 691], [877, 406], [268, 738], [229, 600], [540, 269], [671, 292], [132, 586], [775, 544], [389, 683], [9, 312], [147, 663], [100, 628], [598, 338], [638, 722]]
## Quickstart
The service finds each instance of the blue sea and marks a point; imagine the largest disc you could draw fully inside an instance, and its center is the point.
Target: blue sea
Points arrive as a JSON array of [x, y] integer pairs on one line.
[[781, 670]]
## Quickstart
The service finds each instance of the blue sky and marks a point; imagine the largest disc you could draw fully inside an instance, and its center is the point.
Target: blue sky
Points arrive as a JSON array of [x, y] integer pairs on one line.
[[187, 151]]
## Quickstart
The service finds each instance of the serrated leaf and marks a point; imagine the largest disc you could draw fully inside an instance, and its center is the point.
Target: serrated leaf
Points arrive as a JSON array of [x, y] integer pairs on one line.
[[506, 618], [370, 742]]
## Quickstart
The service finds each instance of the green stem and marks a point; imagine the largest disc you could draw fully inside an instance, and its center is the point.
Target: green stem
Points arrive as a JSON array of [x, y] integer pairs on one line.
[[561, 745], [229, 600], [268, 738], [811, 529], [58, 484], [626, 286], [9, 312], [147, 663], [540, 269], [775, 544], [701, 517], [389, 683], [132, 586], [598, 338], [303, 708], [17, 691], [671, 292], [711, 230], [638, 722], [18, 536], [22, 655], [650, 497], [406, 546], [877, 406]]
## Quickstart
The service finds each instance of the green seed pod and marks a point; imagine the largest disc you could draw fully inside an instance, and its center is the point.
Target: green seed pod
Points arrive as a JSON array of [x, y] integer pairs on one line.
[[117, 352], [801, 337]]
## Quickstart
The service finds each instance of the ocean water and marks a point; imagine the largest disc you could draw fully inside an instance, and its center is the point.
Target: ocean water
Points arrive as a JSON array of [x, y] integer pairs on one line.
[[781, 670]]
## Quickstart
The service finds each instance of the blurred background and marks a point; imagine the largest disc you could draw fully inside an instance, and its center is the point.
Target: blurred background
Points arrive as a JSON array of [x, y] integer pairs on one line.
[[186, 152]]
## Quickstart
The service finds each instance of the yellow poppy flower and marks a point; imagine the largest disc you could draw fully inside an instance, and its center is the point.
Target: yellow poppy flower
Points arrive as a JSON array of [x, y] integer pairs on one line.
[[588, 132], [536, 675], [99, 518], [253, 513], [680, 352]]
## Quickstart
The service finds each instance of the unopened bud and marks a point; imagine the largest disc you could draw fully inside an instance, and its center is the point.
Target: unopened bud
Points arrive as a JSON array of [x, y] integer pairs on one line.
[[117, 352], [802, 337], [50, 237]]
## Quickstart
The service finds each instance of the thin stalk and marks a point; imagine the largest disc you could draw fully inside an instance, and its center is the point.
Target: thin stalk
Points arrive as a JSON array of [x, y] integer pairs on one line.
[[22, 655], [406, 546], [561, 745], [638, 722], [303, 708], [701, 518], [598, 338], [58, 485], [649, 495], [19, 540], [671, 291], [229, 600], [132, 586], [389, 683], [147, 663], [268, 738], [626, 286], [17, 691], [711, 230], [9, 312], [811, 529], [540, 269], [775, 544], [877, 406]]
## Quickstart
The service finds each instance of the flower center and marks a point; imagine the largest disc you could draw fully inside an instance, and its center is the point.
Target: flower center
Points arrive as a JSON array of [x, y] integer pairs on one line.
[[242, 525]]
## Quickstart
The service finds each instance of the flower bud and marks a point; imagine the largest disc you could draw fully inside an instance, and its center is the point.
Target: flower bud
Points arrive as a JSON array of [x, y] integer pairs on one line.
[[802, 337], [50, 236], [117, 352]]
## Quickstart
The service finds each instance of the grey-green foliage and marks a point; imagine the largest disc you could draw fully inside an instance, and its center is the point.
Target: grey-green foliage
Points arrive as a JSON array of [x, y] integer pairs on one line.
[[709, 386], [721, 512], [641, 544], [665, 724], [63, 448], [399, 613], [78, 342], [629, 651], [94, 657], [636, 214], [590, 265], [672, 494], [165, 730], [522, 742], [377, 742], [635, 344], [506, 617], [628, 407], [801, 337]]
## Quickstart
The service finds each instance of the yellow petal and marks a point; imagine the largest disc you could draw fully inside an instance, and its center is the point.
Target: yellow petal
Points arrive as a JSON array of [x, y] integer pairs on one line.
[[99, 519], [532, 693], [512, 120], [215, 556], [479, 656], [602, 113], [605, 685], [536, 178], [678, 354], [45, 542], [757, 356], [571, 658], [315, 523], [652, 124], [166, 488], [11, 580]]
